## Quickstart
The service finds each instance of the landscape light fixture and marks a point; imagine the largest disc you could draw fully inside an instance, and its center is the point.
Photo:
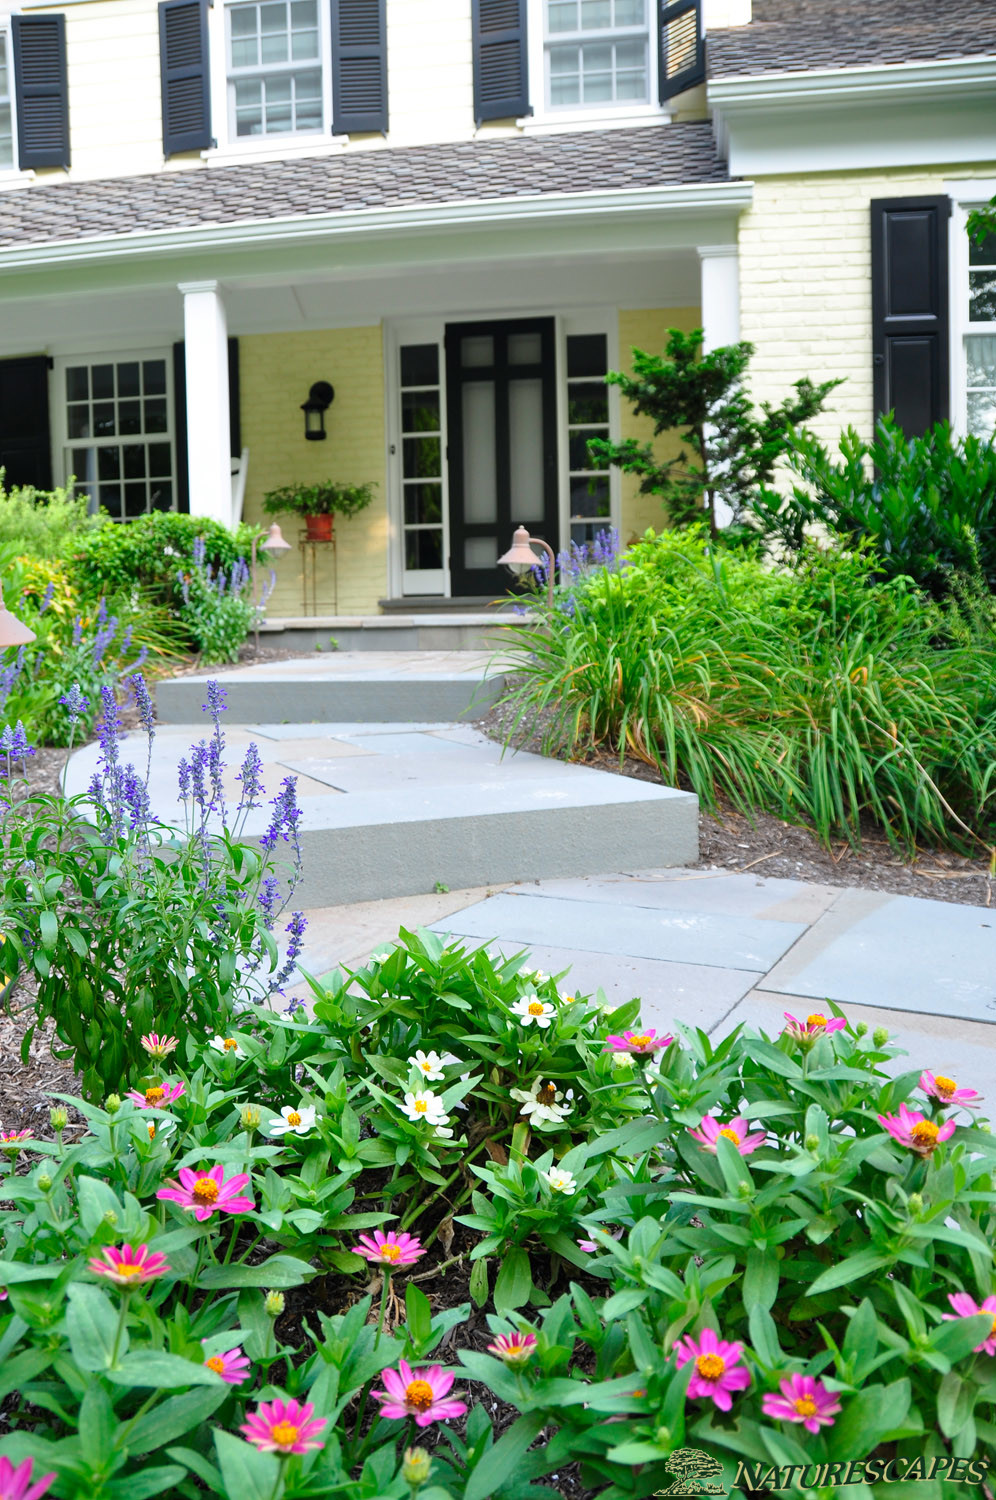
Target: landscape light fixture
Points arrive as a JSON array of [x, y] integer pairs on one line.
[[320, 398], [13, 632], [273, 541], [520, 557]]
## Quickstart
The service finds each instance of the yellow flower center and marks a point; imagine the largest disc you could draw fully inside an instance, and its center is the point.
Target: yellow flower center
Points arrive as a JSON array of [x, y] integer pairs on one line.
[[292, 1117], [152, 1132], [284, 1434], [731, 1135], [945, 1086], [546, 1093], [421, 1106], [216, 1363], [154, 1096], [816, 1020], [125, 1268], [535, 1008], [204, 1190], [230, 1044], [805, 1406], [390, 1252], [710, 1366], [924, 1135], [426, 1066], [639, 1041], [418, 1393]]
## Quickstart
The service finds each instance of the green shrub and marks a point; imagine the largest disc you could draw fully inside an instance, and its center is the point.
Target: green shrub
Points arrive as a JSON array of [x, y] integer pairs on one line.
[[926, 506], [39, 523], [819, 694], [152, 550]]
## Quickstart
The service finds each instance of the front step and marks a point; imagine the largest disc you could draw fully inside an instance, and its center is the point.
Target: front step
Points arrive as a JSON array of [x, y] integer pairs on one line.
[[393, 812], [370, 687]]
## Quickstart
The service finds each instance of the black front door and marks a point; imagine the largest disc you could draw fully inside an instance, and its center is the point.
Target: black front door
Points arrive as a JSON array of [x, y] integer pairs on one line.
[[502, 445]]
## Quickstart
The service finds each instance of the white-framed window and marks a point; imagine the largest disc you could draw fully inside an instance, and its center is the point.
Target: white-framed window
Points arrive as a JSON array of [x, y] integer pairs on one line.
[[274, 54], [114, 426], [6, 101], [596, 53], [973, 318]]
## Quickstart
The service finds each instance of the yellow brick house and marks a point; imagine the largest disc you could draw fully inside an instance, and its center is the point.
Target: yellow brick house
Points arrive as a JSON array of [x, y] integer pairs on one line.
[[460, 214]]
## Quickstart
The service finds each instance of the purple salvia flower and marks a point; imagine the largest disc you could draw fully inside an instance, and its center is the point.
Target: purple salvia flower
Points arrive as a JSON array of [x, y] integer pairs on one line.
[[102, 612], [46, 598], [286, 815], [143, 702], [199, 791], [269, 899], [198, 551], [74, 703], [295, 930], [125, 645], [216, 704], [184, 587], [77, 630], [183, 776], [251, 779], [141, 659], [135, 798]]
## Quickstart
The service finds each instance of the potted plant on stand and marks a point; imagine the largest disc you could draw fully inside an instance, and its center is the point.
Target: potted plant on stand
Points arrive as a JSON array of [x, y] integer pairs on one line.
[[319, 504]]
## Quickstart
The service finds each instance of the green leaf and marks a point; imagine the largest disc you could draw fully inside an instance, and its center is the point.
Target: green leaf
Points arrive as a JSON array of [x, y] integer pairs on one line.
[[868, 1417], [154, 1367], [479, 1290], [28, 1365], [278, 1271], [760, 1279], [199, 1465], [48, 928], [149, 1482], [174, 1417], [419, 1314], [98, 1427], [500, 1463], [955, 1401], [958, 1338], [764, 1336], [249, 1474], [861, 1339], [863, 1263], [515, 1280], [92, 1324]]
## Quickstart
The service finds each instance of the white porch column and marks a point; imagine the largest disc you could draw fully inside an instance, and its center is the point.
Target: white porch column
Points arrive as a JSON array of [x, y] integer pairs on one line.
[[720, 295], [205, 332]]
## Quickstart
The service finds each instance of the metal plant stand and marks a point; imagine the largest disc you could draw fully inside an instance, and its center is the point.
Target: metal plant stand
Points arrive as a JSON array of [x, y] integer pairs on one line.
[[310, 548]]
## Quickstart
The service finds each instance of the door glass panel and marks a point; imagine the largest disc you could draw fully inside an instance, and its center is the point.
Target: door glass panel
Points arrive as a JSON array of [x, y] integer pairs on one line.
[[423, 550], [420, 364], [423, 504], [477, 352], [982, 296], [421, 457], [525, 348], [586, 355], [525, 444], [480, 552], [480, 477], [420, 411]]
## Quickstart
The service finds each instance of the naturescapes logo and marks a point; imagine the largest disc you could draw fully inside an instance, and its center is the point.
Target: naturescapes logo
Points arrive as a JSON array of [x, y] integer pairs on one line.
[[696, 1473]]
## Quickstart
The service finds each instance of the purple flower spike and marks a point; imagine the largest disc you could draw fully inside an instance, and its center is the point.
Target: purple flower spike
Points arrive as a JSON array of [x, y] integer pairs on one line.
[[75, 703]]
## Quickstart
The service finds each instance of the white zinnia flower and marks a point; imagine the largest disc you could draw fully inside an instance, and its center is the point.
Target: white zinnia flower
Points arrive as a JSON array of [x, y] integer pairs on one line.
[[299, 1121], [429, 1063], [226, 1045], [542, 1103], [535, 975], [426, 1107], [380, 958], [531, 1008], [444, 1132], [559, 1181]]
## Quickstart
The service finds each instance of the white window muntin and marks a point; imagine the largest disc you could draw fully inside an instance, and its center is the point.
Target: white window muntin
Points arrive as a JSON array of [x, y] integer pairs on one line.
[[973, 338], [7, 159], [275, 63], [278, 144], [596, 53], [553, 119]]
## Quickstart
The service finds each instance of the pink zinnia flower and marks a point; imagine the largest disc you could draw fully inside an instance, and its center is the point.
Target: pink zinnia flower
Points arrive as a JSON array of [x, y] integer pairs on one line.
[[389, 1249], [514, 1348], [284, 1427], [587, 1246], [208, 1192], [158, 1046], [718, 1370], [156, 1097], [232, 1366], [126, 1266], [915, 1131], [419, 1394], [15, 1484], [964, 1307], [804, 1400], [639, 1043], [10, 1138], [813, 1026], [946, 1091], [736, 1131]]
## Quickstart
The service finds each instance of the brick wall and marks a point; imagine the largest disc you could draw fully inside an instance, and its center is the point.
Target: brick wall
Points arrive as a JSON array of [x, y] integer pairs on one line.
[[276, 371], [645, 330]]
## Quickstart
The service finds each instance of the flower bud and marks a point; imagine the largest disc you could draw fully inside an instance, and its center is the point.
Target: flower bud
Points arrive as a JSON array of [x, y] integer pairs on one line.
[[109, 1217], [44, 1181], [663, 1437], [812, 1143], [112, 1103], [415, 1466], [59, 1118], [274, 1304], [861, 1029], [880, 1036], [985, 1127], [250, 1117], [915, 1203], [744, 1190]]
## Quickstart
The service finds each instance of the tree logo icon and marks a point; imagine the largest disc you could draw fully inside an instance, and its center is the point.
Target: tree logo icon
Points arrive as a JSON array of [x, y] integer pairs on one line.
[[696, 1473]]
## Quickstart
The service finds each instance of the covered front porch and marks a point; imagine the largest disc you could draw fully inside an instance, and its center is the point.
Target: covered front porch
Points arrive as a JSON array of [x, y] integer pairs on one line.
[[467, 346]]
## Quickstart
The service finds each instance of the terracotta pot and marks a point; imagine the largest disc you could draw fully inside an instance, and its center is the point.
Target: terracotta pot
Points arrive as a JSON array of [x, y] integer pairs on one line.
[[319, 528]]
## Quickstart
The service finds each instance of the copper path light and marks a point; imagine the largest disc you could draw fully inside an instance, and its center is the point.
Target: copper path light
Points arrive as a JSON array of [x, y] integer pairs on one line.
[[520, 557], [273, 541]]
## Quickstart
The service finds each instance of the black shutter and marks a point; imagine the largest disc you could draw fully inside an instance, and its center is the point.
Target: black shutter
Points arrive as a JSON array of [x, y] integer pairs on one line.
[[359, 65], [501, 76], [180, 416], [910, 310], [25, 445], [681, 58], [41, 90], [183, 69]]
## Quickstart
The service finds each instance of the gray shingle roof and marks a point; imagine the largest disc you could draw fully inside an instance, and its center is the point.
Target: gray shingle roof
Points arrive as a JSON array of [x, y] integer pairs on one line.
[[347, 181], [801, 35]]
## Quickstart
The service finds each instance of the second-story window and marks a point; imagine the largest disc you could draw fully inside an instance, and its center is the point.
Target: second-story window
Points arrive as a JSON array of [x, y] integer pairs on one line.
[[6, 115], [274, 68], [597, 52]]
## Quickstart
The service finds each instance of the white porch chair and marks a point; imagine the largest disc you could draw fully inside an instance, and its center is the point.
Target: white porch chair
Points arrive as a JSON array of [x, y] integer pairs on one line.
[[240, 467]]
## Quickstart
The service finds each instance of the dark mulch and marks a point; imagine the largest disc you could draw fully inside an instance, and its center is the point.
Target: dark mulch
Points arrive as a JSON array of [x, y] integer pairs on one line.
[[768, 846]]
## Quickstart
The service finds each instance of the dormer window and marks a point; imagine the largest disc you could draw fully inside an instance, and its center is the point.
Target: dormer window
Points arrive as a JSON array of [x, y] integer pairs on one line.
[[274, 69], [597, 52]]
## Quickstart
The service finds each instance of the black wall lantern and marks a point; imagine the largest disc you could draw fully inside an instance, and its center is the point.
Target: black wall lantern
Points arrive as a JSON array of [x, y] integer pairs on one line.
[[320, 398]]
